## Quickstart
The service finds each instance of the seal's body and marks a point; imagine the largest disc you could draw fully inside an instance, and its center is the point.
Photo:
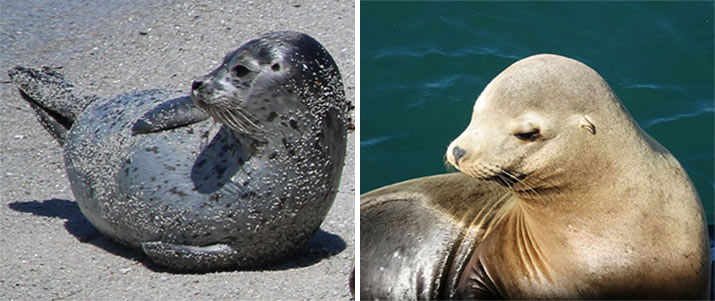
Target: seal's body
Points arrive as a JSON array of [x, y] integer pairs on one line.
[[590, 205], [149, 170]]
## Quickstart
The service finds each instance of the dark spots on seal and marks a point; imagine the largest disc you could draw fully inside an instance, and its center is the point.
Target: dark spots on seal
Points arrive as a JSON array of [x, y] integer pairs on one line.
[[126, 172], [152, 179], [220, 170], [169, 167], [135, 169], [271, 116], [175, 190], [272, 155], [262, 108], [266, 100], [166, 181], [246, 182], [251, 195], [153, 149], [290, 91], [294, 124], [189, 131], [291, 152]]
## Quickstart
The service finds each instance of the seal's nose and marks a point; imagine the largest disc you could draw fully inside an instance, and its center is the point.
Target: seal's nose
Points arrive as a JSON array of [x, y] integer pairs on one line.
[[195, 85], [458, 153]]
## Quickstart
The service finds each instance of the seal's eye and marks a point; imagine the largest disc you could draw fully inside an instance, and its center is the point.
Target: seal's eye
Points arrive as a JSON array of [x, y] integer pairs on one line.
[[276, 67], [241, 70], [528, 136]]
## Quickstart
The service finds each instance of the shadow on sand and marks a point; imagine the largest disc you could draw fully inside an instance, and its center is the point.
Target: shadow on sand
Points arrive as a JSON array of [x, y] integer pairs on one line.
[[321, 246]]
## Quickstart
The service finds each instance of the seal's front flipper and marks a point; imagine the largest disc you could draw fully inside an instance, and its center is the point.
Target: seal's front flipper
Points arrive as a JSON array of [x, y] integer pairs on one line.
[[168, 115], [191, 258]]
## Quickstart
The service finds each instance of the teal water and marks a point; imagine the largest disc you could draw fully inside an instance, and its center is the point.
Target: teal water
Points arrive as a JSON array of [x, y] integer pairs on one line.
[[423, 64]]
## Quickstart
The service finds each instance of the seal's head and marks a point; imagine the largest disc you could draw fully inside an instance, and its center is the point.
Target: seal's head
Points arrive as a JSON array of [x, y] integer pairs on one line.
[[267, 79], [536, 120]]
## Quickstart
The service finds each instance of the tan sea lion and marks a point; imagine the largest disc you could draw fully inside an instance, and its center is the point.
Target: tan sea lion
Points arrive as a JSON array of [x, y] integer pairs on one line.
[[566, 197]]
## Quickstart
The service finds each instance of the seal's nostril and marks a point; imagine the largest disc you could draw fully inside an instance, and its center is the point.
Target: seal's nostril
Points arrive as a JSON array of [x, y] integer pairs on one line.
[[458, 153], [196, 84]]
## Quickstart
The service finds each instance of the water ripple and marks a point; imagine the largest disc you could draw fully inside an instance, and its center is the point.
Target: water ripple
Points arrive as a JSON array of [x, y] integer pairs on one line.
[[375, 141], [656, 87], [703, 109], [422, 51]]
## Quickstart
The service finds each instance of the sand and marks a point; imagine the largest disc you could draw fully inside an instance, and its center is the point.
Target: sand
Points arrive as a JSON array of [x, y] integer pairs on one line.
[[47, 248]]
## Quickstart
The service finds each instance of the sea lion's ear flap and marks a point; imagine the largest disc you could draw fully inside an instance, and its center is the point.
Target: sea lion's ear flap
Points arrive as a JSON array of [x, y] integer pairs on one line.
[[588, 125]]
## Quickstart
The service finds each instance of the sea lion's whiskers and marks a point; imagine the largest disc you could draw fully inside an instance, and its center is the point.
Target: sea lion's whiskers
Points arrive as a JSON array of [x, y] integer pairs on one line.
[[520, 180], [549, 186]]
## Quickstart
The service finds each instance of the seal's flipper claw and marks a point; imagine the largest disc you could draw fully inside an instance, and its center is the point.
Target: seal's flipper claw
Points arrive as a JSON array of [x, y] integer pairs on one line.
[[168, 115], [190, 258]]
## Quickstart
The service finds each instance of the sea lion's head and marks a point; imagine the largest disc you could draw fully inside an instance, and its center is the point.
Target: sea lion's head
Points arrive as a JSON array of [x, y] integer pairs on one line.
[[281, 79], [538, 120]]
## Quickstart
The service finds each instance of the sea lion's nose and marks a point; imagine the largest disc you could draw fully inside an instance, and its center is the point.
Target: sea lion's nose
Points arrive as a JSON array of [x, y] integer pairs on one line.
[[458, 153]]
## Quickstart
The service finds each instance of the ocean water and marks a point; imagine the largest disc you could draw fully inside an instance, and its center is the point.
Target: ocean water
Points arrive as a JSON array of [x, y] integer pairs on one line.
[[423, 64]]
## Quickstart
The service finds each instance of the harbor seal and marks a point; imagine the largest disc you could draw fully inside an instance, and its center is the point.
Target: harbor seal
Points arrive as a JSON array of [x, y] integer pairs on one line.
[[564, 197], [149, 169]]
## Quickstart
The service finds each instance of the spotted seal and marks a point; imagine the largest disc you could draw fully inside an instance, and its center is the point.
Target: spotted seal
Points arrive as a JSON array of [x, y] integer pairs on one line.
[[561, 195], [150, 170]]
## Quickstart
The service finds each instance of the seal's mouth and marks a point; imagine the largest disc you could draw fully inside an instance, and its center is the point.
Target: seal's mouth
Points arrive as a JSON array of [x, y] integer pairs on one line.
[[507, 177]]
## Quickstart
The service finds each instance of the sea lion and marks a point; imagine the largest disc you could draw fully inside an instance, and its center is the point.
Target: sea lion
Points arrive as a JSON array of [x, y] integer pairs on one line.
[[150, 171], [565, 198]]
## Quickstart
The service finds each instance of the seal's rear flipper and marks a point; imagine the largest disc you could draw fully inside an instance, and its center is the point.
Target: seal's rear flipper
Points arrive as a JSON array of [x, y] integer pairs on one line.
[[56, 102], [193, 258], [168, 115]]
